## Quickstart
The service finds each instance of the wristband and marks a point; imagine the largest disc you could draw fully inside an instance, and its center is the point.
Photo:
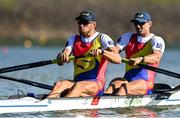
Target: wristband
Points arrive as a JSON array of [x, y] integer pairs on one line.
[[102, 51], [143, 59]]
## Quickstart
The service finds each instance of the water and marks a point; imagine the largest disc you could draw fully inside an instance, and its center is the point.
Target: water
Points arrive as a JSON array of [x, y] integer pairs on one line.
[[52, 73]]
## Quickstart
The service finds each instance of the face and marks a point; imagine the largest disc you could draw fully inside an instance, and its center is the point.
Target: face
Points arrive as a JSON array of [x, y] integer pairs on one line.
[[142, 28], [86, 28]]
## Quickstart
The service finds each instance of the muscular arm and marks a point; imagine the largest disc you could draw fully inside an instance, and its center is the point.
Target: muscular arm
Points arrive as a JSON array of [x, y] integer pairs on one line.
[[153, 58], [66, 51], [112, 55]]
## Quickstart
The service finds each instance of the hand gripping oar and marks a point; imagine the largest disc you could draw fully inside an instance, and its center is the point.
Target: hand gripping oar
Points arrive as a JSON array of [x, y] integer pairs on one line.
[[36, 84], [30, 65], [159, 70]]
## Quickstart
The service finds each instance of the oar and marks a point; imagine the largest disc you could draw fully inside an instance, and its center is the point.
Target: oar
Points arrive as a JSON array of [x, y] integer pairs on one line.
[[30, 65], [159, 70], [36, 84]]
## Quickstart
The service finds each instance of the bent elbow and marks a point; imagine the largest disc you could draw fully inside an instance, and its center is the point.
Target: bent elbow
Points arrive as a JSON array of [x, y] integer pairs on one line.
[[118, 60], [157, 60]]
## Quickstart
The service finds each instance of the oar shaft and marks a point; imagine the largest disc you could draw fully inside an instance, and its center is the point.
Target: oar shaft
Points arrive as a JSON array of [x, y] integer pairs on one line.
[[30, 65], [36, 84], [159, 70], [25, 66]]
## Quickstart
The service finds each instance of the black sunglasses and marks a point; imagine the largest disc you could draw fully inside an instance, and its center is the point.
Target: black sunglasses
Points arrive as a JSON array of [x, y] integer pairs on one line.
[[138, 23], [83, 22]]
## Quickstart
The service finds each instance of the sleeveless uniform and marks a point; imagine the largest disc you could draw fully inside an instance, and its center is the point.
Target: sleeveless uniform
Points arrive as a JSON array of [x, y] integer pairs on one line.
[[136, 49], [89, 67]]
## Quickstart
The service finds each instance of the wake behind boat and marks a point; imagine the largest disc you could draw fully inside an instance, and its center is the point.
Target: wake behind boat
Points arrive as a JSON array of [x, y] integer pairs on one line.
[[35, 103]]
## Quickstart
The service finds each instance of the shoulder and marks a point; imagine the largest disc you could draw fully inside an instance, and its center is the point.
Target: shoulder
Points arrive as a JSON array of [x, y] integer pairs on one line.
[[106, 40], [123, 40], [70, 42], [157, 39], [128, 34], [105, 36], [158, 43], [72, 37], [125, 36]]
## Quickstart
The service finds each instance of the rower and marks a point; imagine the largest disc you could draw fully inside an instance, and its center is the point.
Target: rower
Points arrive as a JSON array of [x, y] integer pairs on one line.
[[140, 47], [89, 70]]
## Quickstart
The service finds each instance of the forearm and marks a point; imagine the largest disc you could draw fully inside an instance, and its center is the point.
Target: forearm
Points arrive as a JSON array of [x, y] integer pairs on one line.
[[152, 58], [66, 51], [112, 55]]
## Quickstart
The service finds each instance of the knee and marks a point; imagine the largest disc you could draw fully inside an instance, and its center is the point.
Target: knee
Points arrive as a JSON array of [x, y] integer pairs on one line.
[[57, 84], [123, 90], [115, 80], [117, 83], [62, 82]]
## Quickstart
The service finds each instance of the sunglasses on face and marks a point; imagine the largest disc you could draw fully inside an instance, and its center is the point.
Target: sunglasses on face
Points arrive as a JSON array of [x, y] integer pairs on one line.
[[83, 22], [139, 23]]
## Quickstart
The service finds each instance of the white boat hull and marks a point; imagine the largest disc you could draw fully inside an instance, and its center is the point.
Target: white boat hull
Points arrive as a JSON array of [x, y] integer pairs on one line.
[[30, 104]]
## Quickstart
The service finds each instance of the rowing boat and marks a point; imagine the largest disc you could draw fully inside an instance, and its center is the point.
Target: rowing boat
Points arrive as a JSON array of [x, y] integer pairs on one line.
[[162, 96], [35, 103]]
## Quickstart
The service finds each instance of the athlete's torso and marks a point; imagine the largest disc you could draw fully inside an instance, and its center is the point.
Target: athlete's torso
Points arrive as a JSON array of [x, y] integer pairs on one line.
[[136, 49], [136, 46], [89, 67]]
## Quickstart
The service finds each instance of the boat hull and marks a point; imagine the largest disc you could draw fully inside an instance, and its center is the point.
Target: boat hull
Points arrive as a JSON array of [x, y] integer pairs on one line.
[[31, 104]]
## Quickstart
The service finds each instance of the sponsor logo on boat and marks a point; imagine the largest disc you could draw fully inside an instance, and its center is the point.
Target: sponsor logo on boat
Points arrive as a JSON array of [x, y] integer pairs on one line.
[[133, 101]]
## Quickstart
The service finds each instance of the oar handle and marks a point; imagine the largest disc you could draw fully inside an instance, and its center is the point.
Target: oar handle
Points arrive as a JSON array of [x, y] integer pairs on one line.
[[54, 61], [159, 70], [30, 65]]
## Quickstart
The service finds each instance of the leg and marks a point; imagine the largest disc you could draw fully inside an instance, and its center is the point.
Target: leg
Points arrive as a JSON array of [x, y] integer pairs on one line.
[[137, 87], [84, 88], [114, 85], [59, 87]]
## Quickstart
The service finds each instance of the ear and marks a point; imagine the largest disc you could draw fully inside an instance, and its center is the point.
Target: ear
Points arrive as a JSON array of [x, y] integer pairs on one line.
[[150, 23], [94, 23]]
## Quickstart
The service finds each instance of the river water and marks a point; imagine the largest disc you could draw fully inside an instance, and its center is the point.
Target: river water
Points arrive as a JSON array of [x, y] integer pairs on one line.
[[11, 56]]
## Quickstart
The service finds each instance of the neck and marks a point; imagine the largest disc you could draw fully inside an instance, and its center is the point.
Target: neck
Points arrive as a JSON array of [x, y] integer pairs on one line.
[[145, 34], [89, 34]]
